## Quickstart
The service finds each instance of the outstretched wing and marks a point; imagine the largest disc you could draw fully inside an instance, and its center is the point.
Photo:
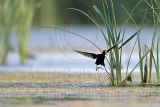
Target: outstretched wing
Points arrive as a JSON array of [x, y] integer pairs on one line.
[[87, 54]]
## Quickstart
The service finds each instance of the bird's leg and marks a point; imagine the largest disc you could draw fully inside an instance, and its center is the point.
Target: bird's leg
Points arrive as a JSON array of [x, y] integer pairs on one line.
[[101, 68], [99, 78], [110, 77], [98, 68]]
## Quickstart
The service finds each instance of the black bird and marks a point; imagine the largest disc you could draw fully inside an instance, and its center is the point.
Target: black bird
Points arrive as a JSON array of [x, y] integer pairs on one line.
[[99, 57]]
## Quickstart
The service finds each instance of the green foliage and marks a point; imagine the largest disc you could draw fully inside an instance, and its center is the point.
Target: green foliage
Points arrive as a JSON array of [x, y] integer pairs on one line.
[[52, 11], [16, 18], [105, 14]]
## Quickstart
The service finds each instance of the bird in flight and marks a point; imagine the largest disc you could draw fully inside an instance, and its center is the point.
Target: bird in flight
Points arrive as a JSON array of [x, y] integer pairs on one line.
[[99, 57]]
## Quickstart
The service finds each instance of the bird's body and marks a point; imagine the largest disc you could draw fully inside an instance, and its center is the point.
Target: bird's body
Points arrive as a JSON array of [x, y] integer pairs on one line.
[[100, 59]]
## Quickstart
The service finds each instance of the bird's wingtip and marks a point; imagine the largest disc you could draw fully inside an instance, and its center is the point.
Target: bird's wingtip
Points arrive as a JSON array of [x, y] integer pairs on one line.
[[76, 50]]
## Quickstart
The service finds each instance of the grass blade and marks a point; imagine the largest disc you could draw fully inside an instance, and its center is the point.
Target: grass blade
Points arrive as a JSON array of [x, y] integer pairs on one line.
[[99, 13], [158, 70], [130, 38], [139, 62]]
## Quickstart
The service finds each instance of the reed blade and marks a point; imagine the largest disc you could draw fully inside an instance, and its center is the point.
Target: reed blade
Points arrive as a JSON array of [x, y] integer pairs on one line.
[[130, 38]]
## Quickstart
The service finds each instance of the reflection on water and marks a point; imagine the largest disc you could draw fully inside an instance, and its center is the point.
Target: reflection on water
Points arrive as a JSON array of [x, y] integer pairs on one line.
[[26, 102], [55, 94]]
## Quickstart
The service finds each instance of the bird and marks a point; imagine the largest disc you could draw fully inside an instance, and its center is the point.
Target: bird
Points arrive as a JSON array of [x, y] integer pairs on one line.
[[99, 57]]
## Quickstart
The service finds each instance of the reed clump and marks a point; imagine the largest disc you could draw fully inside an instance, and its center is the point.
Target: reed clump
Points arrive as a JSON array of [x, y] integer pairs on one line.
[[104, 17], [16, 19]]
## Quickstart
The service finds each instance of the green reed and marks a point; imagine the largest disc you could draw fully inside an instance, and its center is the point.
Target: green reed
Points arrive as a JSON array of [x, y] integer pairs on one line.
[[103, 17], [151, 10], [23, 25], [5, 28], [106, 23], [154, 7], [16, 18]]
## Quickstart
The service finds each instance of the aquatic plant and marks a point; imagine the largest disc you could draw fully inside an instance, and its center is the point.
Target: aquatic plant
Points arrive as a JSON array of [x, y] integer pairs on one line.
[[5, 28], [16, 18], [155, 7], [153, 11], [23, 25], [146, 69], [101, 15]]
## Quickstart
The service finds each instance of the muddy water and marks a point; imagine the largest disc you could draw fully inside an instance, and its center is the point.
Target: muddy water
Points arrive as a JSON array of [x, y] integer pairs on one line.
[[102, 104], [79, 95], [79, 103], [70, 90]]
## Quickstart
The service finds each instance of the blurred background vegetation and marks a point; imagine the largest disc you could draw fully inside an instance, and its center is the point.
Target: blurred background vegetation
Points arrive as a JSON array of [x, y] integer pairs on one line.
[[15, 18], [19, 16], [54, 11], [51, 12]]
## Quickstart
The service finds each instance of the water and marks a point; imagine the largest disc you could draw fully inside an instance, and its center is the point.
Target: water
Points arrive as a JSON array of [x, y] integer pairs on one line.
[[80, 96], [77, 103], [52, 50]]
